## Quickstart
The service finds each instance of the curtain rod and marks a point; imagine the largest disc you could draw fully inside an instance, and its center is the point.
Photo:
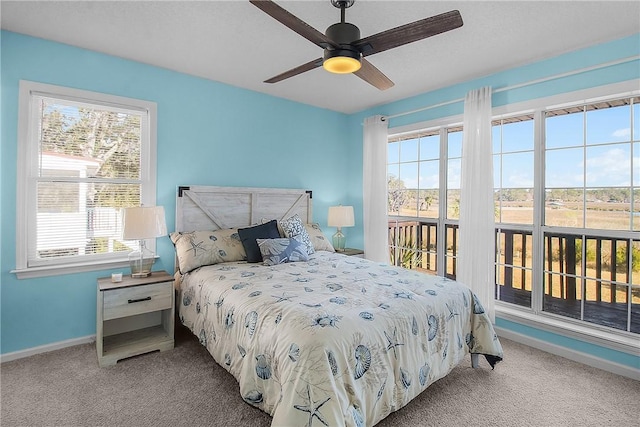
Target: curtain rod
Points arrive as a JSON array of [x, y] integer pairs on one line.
[[519, 85]]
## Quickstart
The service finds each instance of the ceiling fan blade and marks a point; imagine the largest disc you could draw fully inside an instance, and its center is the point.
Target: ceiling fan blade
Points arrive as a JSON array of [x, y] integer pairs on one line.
[[295, 71], [409, 33], [293, 22], [370, 74]]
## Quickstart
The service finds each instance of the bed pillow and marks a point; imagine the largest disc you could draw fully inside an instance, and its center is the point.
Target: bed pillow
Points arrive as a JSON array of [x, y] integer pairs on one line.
[[318, 239], [249, 235], [282, 250], [294, 227], [197, 248]]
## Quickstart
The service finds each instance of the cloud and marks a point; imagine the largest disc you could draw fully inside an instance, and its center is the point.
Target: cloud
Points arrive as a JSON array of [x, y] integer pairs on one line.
[[622, 133], [429, 181], [454, 174], [564, 171], [609, 168], [410, 183], [521, 180]]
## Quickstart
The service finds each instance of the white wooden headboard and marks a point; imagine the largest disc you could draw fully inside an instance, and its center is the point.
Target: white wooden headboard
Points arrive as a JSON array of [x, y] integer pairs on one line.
[[213, 208]]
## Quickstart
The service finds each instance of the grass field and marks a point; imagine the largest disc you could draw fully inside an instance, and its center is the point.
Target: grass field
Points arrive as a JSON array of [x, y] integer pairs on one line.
[[599, 215]]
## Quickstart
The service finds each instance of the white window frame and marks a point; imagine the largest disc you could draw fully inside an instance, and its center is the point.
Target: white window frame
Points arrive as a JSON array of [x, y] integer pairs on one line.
[[535, 317], [441, 125], [27, 169]]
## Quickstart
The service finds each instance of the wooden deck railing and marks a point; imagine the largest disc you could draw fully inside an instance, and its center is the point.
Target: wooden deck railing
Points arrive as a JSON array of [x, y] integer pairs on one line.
[[601, 271], [413, 245]]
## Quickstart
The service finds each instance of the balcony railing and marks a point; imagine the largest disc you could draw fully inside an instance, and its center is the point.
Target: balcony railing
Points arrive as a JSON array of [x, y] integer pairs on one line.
[[594, 279], [413, 245]]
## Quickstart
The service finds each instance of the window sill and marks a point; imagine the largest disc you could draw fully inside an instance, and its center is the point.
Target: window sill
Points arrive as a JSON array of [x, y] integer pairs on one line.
[[58, 270], [623, 341]]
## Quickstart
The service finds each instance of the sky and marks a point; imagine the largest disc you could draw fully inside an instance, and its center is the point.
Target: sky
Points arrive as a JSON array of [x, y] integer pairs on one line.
[[605, 154]]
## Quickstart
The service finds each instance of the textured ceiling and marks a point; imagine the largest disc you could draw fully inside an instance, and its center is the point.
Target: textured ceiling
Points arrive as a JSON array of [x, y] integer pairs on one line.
[[235, 43]]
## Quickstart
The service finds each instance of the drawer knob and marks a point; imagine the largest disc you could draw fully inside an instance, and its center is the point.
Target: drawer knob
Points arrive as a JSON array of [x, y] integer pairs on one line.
[[131, 301]]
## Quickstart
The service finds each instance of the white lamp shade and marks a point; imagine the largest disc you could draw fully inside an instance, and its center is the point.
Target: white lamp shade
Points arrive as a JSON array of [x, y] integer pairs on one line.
[[143, 223], [341, 216]]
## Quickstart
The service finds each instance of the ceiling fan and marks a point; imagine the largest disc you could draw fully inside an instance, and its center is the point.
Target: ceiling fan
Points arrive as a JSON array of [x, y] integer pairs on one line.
[[345, 51]]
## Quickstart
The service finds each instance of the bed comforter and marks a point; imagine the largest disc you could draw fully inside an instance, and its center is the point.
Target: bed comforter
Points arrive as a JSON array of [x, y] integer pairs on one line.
[[336, 340]]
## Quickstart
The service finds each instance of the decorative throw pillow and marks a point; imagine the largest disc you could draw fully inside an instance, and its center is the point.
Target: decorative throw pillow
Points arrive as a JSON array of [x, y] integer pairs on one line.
[[318, 239], [197, 248], [248, 236], [279, 251], [293, 227]]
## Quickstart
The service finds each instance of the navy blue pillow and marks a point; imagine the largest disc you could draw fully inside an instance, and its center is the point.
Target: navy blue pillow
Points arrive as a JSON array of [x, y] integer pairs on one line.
[[248, 236]]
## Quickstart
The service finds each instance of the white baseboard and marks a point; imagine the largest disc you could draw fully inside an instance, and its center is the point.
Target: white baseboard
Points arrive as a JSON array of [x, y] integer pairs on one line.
[[7, 357], [577, 356]]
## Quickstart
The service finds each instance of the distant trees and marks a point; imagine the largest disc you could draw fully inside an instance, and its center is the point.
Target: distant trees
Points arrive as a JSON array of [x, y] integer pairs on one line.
[[617, 195], [399, 196], [514, 194], [110, 137]]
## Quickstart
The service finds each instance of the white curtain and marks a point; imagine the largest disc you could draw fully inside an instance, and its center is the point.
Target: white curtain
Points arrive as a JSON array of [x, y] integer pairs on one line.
[[477, 226], [374, 185]]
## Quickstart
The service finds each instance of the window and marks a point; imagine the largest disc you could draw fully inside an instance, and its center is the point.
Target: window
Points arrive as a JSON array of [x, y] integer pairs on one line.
[[592, 213], [83, 157], [513, 178], [413, 182], [567, 209], [590, 172], [452, 140], [419, 222]]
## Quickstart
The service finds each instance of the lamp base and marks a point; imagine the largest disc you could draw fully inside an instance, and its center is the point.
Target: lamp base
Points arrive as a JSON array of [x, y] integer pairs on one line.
[[139, 275], [141, 261], [339, 241]]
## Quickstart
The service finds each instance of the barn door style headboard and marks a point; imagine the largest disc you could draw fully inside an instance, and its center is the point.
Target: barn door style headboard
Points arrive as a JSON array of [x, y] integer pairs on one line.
[[213, 208]]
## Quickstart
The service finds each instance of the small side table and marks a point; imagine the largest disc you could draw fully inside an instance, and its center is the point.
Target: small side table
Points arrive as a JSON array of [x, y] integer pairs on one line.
[[353, 252], [134, 316]]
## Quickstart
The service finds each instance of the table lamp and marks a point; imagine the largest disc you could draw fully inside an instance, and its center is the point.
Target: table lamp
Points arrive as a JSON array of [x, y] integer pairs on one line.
[[142, 223], [340, 216]]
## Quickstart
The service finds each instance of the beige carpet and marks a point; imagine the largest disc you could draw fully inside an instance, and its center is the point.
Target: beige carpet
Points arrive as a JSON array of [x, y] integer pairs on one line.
[[184, 387]]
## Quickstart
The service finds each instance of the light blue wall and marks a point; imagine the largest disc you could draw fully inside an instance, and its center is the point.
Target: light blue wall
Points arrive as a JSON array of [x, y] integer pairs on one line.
[[581, 59], [208, 133], [585, 58], [572, 343]]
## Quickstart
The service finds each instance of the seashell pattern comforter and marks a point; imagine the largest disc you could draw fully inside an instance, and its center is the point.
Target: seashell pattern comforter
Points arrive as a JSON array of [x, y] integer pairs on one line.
[[336, 340]]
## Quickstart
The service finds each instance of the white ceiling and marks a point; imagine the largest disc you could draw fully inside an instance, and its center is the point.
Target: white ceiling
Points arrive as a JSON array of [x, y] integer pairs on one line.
[[235, 43]]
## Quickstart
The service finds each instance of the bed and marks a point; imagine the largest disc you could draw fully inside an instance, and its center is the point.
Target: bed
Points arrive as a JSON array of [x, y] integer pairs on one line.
[[324, 338]]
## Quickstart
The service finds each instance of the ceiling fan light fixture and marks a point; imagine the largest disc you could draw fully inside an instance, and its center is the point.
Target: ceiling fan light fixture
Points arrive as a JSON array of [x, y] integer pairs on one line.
[[341, 65], [341, 61], [345, 59]]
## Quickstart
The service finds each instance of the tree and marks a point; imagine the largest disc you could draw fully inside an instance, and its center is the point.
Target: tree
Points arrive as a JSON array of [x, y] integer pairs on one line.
[[396, 194], [426, 203], [110, 137]]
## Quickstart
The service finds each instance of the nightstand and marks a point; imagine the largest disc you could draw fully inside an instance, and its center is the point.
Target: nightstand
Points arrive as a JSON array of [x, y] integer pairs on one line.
[[353, 252], [134, 316]]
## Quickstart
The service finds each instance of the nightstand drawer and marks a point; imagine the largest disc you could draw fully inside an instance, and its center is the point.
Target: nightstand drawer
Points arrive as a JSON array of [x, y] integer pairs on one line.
[[137, 300]]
